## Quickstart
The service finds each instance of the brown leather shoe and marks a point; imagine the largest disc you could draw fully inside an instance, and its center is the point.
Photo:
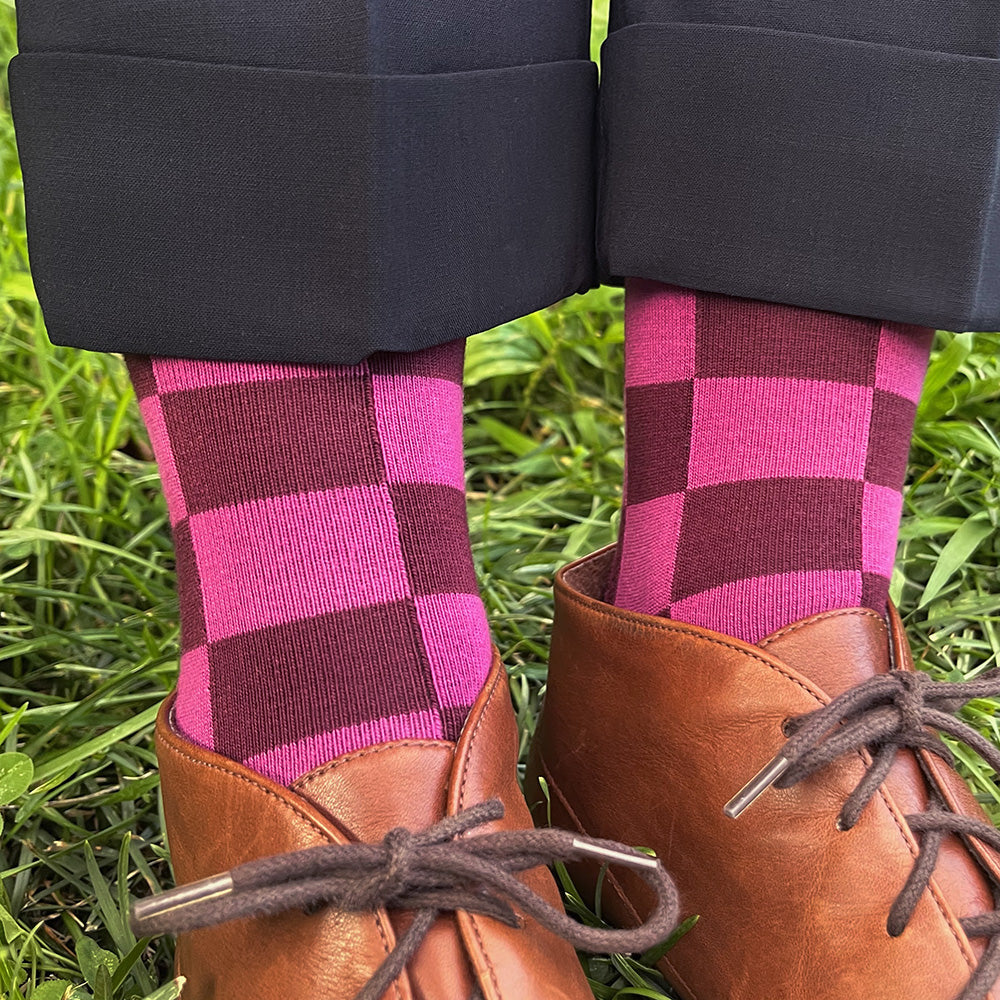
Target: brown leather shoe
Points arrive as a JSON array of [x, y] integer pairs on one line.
[[651, 727], [220, 815]]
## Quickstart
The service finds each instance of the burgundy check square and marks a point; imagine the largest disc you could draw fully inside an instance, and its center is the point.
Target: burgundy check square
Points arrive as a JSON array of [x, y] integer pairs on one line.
[[766, 450], [328, 596]]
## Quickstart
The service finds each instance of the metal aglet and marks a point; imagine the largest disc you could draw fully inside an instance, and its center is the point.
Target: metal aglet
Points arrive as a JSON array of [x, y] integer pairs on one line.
[[756, 786], [146, 910], [636, 860]]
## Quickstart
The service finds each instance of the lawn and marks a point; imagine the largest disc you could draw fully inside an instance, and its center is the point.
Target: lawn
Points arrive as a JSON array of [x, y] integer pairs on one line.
[[88, 614]]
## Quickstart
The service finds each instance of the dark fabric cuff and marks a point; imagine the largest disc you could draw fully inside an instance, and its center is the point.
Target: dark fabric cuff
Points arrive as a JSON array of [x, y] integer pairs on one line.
[[246, 213], [838, 175]]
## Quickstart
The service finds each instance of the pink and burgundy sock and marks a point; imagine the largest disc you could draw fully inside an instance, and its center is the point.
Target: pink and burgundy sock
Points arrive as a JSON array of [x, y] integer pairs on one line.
[[328, 595], [766, 449]]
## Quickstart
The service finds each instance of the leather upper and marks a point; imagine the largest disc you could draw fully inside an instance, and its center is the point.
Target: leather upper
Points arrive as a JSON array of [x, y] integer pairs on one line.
[[650, 726], [219, 814]]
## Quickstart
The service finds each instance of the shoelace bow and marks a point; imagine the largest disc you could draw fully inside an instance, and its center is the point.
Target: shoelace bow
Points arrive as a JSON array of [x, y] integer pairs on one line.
[[430, 873], [883, 715]]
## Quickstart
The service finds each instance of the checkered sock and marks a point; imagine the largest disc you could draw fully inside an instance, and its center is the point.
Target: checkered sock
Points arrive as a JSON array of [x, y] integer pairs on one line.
[[766, 448], [328, 596]]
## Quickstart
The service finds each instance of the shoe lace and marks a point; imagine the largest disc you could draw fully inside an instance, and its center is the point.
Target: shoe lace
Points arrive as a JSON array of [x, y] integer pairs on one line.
[[430, 872], [884, 715]]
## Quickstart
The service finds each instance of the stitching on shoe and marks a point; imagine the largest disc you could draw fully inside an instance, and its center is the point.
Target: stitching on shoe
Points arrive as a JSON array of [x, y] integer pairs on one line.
[[290, 807], [367, 752], [475, 736], [626, 617], [581, 829], [609, 875], [942, 904], [385, 944], [461, 803], [486, 957], [654, 626], [788, 630]]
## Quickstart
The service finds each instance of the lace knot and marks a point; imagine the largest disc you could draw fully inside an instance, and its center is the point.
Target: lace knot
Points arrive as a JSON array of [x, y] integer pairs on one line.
[[910, 699], [399, 850], [432, 872]]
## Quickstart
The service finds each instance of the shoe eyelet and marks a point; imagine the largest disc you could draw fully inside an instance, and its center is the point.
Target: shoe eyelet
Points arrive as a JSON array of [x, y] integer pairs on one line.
[[786, 727]]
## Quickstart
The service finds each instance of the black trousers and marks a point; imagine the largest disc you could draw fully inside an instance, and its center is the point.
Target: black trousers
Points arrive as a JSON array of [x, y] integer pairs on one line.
[[315, 180]]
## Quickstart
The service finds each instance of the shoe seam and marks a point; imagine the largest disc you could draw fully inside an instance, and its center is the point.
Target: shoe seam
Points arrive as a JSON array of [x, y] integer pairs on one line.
[[628, 617], [485, 954], [472, 740], [367, 752], [290, 807], [477, 728], [826, 615], [609, 875], [942, 904]]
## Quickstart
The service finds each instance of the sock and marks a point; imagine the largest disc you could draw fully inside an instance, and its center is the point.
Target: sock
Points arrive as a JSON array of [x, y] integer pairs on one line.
[[766, 450], [328, 595]]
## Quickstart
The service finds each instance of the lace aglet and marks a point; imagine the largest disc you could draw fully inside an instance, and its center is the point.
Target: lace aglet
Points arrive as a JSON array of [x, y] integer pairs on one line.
[[147, 912], [756, 786], [636, 860]]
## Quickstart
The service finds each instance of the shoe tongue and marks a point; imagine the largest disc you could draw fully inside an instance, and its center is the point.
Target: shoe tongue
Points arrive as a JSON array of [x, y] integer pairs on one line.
[[373, 791], [838, 649]]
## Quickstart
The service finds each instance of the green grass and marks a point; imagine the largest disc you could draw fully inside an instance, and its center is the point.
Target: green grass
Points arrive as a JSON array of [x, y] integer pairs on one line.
[[88, 613]]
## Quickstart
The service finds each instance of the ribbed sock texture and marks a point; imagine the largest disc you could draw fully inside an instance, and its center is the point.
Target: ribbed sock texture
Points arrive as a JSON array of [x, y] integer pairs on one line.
[[328, 595], [766, 450]]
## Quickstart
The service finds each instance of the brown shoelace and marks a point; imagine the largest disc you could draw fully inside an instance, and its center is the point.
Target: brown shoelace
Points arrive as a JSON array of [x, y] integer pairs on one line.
[[883, 715], [430, 873]]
